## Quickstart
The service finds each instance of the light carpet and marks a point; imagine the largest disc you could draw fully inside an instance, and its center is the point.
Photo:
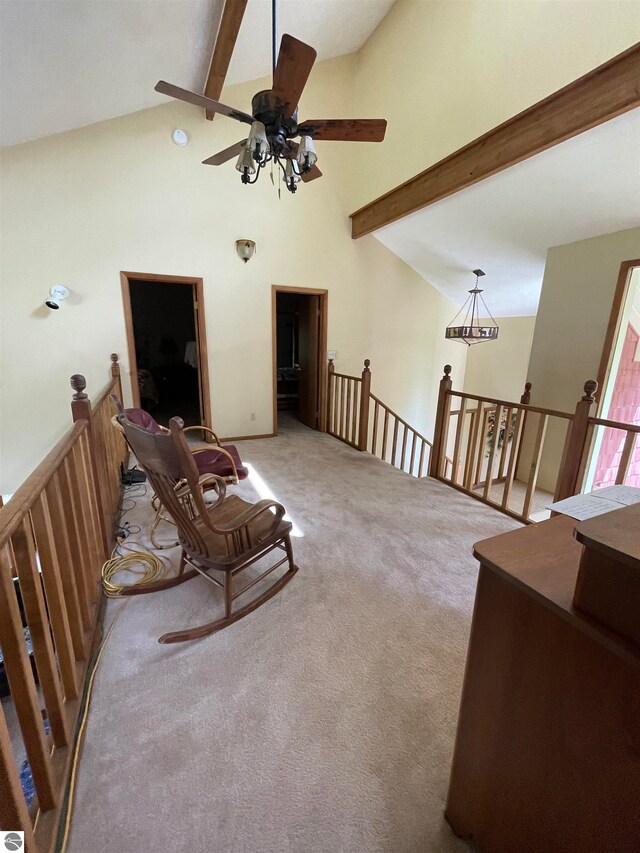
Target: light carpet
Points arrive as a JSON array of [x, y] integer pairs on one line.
[[322, 722]]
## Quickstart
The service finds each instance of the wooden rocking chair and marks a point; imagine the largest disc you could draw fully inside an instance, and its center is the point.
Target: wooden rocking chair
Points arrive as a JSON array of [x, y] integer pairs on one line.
[[223, 461], [226, 536]]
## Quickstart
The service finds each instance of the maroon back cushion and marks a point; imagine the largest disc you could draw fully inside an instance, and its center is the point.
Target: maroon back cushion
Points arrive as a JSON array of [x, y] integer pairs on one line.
[[142, 419]]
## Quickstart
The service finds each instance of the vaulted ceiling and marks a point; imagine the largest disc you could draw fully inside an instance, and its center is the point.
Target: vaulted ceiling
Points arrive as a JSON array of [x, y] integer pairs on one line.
[[584, 187], [69, 63]]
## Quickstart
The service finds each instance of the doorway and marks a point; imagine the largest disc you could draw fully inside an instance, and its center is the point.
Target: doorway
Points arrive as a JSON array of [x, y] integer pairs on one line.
[[619, 383], [299, 321], [164, 318]]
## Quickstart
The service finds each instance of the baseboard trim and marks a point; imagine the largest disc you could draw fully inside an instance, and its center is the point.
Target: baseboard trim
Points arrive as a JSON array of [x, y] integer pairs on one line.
[[249, 437]]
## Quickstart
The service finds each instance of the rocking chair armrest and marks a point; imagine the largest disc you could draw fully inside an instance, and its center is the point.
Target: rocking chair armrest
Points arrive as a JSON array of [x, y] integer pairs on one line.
[[252, 513], [224, 453], [220, 487], [202, 428]]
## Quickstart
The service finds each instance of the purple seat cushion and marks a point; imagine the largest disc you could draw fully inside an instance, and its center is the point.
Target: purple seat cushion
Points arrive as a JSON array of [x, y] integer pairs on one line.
[[142, 419], [214, 462]]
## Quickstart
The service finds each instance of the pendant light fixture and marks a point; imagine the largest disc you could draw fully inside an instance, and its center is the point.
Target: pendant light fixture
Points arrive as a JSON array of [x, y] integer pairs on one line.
[[470, 330]]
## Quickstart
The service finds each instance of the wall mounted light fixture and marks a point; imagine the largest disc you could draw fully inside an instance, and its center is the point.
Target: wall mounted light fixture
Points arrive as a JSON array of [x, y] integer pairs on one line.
[[57, 294], [245, 249]]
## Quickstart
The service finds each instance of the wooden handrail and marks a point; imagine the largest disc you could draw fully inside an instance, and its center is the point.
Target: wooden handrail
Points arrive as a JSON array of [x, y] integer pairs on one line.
[[349, 419], [52, 543], [553, 413], [614, 424], [399, 419], [24, 498]]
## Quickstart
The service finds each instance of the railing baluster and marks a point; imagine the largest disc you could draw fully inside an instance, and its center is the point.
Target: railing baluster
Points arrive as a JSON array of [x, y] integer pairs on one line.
[[625, 458], [492, 452], [472, 440], [483, 437], [421, 463], [348, 414], [462, 414], [518, 432], [36, 614], [535, 464], [23, 688], [343, 404], [413, 452], [60, 523], [13, 808], [385, 433], [395, 443], [50, 567], [505, 443], [354, 418], [404, 446], [79, 555], [374, 439]]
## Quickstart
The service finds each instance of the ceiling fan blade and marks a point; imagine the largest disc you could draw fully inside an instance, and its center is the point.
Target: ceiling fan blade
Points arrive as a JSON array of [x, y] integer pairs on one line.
[[200, 101], [222, 156], [311, 175], [345, 129], [295, 61]]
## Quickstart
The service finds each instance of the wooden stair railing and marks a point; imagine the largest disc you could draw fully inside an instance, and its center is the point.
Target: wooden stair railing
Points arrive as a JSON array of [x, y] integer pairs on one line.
[[383, 433], [55, 533], [499, 443]]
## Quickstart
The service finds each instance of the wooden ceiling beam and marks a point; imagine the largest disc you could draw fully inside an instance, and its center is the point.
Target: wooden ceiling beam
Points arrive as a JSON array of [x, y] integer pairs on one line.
[[232, 15], [608, 91]]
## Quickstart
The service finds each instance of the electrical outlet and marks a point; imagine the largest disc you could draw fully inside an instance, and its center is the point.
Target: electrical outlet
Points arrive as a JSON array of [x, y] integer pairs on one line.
[[252, 417], [332, 353]]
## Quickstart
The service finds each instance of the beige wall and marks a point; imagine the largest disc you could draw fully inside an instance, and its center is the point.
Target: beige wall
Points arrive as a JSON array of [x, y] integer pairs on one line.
[[79, 207], [443, 73], [575, 304], [498, 368]]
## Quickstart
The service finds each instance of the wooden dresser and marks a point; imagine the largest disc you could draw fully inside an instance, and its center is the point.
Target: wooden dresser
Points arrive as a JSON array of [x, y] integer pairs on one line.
[[547, 754]]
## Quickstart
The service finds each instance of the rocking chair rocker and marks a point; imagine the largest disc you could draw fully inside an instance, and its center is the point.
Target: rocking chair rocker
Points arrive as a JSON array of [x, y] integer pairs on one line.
[[226, 537]]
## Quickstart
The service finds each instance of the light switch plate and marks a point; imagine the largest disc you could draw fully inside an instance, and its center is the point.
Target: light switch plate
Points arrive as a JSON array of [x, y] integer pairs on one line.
[[332, 353]]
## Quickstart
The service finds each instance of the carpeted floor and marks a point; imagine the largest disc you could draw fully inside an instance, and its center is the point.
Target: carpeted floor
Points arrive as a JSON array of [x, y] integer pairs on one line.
[[322, 722]]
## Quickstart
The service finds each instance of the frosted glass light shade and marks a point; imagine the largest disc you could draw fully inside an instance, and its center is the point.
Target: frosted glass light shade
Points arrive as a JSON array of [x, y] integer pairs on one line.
[[245, 249], [246, 161], [292, 171], [258, 139], [306, 150]]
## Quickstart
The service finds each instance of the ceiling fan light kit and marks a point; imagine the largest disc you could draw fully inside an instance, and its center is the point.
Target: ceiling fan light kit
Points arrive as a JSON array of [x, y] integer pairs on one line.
[[471, 331], [274, 120]]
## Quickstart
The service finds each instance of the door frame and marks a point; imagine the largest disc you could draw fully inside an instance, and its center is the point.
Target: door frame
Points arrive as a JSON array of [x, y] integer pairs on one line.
[[323, 295], [613, 327], [201, 331]]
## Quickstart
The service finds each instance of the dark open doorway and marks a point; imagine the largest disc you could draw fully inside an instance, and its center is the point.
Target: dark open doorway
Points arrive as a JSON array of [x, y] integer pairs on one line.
[[165, 333], [299, 354]]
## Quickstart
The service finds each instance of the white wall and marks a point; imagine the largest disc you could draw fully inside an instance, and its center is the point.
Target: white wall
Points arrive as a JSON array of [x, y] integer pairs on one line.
[[444, 72], [498, 368], [79, 207], [575, 304]]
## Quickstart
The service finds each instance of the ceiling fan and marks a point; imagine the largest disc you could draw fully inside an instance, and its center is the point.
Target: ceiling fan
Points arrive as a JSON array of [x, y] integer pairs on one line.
[[274, 120]]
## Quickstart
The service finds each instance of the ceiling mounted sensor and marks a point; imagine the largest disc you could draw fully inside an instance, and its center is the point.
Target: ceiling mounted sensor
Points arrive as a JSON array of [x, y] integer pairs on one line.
[[274, 120], [471, 331], [180, 137], [57, 294]]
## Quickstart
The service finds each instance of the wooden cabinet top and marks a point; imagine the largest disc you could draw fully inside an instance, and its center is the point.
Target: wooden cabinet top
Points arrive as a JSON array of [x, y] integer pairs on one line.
[[543, 560], [616, 534]]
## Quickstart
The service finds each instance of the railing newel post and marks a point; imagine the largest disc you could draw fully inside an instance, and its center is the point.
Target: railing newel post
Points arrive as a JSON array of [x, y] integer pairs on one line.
[[365, 392], [575, 443], [525, 398], [442, 413], [81, 410]]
